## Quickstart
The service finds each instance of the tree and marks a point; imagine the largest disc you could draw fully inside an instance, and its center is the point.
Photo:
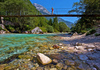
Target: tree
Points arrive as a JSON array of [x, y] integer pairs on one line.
[[55, 24], [86, 7], [50, 29], [63, 27], [50, 22]]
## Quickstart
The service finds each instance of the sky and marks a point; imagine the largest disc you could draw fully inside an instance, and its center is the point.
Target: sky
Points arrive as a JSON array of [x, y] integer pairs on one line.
[[60, 7]]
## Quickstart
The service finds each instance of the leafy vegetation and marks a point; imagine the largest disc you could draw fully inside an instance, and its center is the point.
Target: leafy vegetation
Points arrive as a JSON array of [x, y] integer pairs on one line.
[[85, 7], [63, 27], [20, 24], [97, 34], [92, 31], [50, 29]]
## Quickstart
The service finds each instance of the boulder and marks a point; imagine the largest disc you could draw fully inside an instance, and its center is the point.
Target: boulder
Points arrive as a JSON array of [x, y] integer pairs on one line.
[[43, 59], [37, 30]]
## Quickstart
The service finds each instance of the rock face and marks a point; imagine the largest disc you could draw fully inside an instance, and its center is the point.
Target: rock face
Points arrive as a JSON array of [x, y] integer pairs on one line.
[[43, 59], [37, 30]]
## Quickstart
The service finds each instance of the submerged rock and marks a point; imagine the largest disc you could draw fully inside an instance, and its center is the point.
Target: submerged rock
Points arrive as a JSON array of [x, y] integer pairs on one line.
[[83, 57], [55, 46], [97, 66], [43, 59], [55, 61], [59, 66], [53, 69]]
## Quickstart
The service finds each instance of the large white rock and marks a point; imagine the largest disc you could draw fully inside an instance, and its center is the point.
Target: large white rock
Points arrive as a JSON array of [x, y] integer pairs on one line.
[[43, 59]]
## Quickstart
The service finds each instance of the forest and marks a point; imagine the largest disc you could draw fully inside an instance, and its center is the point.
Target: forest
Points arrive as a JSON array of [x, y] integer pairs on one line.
[[21, 24], [87, 7]]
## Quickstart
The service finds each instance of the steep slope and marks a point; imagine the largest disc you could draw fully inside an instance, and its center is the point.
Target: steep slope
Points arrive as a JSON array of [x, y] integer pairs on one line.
[[44, 11]]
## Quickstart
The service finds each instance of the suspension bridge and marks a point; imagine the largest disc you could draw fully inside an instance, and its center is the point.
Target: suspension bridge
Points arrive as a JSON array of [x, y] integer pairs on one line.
[[58, 12]]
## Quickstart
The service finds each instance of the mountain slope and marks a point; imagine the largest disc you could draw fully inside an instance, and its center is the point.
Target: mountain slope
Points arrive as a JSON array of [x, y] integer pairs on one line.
[[44, 11]]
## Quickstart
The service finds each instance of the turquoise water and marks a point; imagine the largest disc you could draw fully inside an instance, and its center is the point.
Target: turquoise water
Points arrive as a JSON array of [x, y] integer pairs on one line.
[[11, 44]]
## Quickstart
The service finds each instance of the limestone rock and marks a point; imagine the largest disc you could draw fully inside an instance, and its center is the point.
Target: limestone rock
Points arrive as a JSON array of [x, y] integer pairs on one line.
[[43, 59], [37, 30]]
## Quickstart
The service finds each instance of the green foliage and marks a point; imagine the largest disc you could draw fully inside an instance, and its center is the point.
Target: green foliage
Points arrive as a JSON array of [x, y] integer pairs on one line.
[[55, 24], [97, 34], [22, 7], [92, 31], [85, 7], [0, 28], [10, 28], [50, 29], [83, 31], [63, 27], [50, 22], [43, 29]]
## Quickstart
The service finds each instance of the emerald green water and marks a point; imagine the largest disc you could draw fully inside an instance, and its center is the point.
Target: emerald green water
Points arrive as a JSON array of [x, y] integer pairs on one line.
[[11, 44]]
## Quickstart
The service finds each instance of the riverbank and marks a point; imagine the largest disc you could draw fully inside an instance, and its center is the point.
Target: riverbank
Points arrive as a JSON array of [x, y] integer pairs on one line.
[[74, 53]]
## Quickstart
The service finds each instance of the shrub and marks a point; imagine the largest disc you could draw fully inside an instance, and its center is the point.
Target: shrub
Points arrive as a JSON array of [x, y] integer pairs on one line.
[[0, 28], [97, 34], [50, 29], [43, 29], [92, 31], [83, 31]]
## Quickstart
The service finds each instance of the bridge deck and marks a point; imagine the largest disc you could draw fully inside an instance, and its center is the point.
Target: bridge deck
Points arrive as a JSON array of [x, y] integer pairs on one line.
[[54, 15]]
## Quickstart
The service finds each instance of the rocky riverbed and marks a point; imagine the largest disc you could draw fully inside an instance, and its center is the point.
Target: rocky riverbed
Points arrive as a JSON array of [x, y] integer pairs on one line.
[[67, 54]]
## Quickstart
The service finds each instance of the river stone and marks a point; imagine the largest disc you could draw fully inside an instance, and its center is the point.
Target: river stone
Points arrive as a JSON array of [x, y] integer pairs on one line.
[[90, 46], [90, 50], [43, 59], [79, 47], [39, 68], [83, 57], [97, 66], [65, 67], [55, 61], [53, 69], [59, 65], [80, 67], [60, 44]]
